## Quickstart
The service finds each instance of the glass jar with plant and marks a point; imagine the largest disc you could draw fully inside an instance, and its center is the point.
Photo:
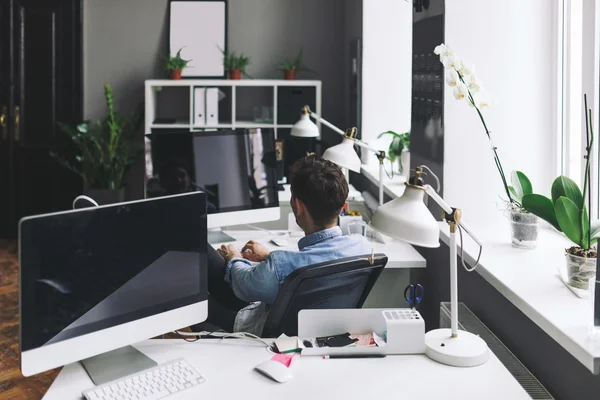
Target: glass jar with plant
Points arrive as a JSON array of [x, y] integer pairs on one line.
[[567, 212], [106, 150], [175, 65], [292, 66], [235, 64], [524, 225], [399, 150]]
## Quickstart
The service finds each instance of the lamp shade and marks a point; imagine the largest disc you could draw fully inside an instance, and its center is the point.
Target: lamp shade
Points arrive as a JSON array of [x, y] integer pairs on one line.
[[305, 128], [344, 155], [408, 219]]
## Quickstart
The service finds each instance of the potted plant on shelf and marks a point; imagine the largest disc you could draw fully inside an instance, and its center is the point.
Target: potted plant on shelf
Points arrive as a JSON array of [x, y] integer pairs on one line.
[[105, 152], [175, 65], [567, 212], [524, 225], [235, 64], [399, 150], [291, 67]]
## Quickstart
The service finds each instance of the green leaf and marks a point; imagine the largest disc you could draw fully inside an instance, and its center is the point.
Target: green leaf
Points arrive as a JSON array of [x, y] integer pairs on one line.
[[585, 229], [569, 219], [542, 207], [521, 184], [566, 187]]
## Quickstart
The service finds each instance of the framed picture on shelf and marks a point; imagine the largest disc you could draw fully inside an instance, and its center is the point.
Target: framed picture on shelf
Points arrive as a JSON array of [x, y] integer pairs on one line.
[[199, 30]]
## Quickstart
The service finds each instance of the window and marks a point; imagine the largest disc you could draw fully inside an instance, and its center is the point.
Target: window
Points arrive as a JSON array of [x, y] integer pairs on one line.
[[577, 63]]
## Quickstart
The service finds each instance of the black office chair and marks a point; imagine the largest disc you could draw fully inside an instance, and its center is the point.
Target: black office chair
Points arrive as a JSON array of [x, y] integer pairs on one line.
[[343, 283]]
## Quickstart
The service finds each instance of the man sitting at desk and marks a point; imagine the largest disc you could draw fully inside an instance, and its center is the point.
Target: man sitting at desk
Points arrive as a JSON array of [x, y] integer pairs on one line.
[[319, 191]]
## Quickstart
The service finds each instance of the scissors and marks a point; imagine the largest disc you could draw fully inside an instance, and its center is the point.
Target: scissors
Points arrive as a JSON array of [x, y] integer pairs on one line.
[[414, 294]]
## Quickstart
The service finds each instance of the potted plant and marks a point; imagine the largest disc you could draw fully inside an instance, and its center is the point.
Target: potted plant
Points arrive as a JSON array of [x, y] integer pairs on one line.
[[176, 65], [524, 225], [567, 212], [105, 151], [399, 150], [291, 67], [461, 77], [235, 64]]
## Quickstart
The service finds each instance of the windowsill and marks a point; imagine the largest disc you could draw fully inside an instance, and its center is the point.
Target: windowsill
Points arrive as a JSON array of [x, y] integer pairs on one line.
[[527, 278], [392, 187], [530, 280]]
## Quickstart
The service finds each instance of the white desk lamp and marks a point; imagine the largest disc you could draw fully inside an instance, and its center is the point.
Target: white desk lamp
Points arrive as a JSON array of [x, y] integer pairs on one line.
[[342, 154], [408, 219]]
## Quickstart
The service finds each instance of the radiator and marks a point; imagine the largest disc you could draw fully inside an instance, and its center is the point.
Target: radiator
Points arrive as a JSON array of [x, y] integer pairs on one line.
[[467, 321]]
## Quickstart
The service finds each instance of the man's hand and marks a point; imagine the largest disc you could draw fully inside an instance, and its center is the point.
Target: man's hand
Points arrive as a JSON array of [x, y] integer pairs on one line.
[[254, 251], [229, 252]]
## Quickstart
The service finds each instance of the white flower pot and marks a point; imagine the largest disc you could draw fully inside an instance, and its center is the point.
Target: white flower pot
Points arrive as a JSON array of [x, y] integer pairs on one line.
[[524, 228], [579, 271]]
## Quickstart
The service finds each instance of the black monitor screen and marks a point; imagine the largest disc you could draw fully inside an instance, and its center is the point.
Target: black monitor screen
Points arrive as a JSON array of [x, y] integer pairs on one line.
[[236, 169], [95, 268]]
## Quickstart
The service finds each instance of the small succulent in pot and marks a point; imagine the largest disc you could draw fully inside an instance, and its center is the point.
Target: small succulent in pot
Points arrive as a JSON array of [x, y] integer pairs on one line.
[[176, 65]]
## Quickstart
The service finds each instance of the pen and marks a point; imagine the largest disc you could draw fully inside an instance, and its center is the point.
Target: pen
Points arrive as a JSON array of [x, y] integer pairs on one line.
[[334, 356]]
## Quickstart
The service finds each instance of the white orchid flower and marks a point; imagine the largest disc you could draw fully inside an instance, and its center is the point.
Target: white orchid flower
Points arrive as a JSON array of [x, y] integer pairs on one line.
[[460, 92], [473, 84], [443, 51], [483, 102], [452, 78], [466, 69], [451, 62]]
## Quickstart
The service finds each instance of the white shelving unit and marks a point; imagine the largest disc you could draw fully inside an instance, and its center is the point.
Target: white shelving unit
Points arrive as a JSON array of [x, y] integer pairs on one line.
[[153, 87]]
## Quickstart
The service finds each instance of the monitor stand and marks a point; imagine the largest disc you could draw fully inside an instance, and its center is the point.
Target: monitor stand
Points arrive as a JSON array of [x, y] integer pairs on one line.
[[216, 235], [116, 364]]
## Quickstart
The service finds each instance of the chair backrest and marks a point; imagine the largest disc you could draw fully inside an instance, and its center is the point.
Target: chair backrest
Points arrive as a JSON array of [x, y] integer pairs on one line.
[[343, 283]]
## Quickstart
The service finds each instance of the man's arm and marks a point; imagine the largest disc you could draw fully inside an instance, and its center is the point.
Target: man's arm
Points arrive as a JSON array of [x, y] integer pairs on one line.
[[253, 282]]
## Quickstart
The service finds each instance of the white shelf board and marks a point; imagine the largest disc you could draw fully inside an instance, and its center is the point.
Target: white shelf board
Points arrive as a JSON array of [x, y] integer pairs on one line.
[[252, 124], [228, 82], [215, 126], [176, 125]]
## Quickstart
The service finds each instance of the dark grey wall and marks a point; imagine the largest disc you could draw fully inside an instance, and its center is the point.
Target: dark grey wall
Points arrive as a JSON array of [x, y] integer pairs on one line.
[[125, 42]]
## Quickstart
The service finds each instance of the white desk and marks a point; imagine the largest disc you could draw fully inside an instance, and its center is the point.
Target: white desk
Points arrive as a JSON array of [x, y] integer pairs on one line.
[[389, 289], [228, 369]]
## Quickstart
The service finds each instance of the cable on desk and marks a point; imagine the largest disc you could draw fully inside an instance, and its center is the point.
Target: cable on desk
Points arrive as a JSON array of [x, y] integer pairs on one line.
[[225, 335]]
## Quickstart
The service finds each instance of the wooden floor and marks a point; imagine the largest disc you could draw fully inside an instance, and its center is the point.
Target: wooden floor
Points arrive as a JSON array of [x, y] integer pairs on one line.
[[12, 384]]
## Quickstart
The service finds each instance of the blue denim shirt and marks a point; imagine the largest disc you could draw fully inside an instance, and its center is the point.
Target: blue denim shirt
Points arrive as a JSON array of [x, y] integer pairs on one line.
[[261, 282]]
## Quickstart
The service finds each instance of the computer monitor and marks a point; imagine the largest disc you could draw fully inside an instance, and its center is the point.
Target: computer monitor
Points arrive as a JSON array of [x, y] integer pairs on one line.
[[97, 279], [236, 168]]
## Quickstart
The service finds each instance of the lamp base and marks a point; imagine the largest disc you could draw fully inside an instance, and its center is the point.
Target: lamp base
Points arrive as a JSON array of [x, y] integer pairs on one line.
[[465, 350]]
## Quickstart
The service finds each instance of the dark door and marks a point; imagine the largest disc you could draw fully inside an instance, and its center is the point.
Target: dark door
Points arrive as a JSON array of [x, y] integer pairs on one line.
[[40, 84]]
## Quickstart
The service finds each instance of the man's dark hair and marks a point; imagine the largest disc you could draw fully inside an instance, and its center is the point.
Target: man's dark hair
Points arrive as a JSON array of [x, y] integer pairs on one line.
[[321, 186]]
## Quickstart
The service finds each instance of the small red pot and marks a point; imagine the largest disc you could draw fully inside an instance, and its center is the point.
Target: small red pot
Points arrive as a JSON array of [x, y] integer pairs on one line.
[[235, 74], [176, 74], [289, 75]]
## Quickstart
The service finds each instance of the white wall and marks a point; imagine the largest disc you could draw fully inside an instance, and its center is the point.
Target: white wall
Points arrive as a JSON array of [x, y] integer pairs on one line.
[[511, 44], [387, 67]]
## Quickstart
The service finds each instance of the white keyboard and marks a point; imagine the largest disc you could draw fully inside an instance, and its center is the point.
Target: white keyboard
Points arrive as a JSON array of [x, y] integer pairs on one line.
[[151, 384]]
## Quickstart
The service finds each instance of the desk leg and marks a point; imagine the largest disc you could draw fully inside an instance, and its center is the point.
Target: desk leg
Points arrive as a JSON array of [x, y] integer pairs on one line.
[[388, 291]]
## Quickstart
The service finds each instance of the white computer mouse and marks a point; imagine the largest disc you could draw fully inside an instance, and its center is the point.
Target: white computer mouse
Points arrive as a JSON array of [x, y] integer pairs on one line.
[[274, 370]]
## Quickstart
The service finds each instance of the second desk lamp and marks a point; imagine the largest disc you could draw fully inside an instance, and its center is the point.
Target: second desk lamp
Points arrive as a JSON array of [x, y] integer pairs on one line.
[[342, 154]]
